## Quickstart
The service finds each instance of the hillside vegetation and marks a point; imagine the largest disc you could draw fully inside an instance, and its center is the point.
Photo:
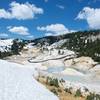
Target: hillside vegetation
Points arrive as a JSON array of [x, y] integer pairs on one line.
[[86, 43], [8, 49]]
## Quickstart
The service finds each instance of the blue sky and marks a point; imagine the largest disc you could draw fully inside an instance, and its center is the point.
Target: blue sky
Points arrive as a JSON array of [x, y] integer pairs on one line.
[[48, 17]]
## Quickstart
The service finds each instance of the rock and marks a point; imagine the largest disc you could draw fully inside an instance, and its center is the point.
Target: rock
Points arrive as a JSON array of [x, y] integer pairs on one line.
[[68, 62], [82, 63], [95, 72]]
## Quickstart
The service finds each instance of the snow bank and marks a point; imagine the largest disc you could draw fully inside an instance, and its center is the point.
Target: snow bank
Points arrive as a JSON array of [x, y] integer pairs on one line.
[[6, 42], [17, 83]]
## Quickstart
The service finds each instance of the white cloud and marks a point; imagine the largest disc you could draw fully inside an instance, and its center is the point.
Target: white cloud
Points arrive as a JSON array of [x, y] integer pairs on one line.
[[3, 35], [20, 11], [54, 29], [5, 14], [48, 34], [91, 15], [30, 37], [60, 6], [21, 30]]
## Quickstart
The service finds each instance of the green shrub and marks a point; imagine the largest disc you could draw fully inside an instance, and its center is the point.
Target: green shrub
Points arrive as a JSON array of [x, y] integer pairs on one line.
[[54, 82], [5, 54], [17, 46], [86, 89], [48, 79], [68, 90], [59, 90], [62, 81], [93, 96], [54, 91], [78, 93]]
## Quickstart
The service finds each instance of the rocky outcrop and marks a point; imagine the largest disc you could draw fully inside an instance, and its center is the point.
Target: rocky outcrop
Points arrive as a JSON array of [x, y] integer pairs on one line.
[[82, 63]]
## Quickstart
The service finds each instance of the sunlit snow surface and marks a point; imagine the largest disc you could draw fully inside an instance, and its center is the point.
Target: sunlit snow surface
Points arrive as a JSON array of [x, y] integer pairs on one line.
[[17, 83], [5, 45]]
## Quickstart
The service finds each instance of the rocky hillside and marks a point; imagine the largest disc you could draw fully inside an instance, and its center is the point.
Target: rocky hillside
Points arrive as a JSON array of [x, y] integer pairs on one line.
[[10, 46], [86, 43]]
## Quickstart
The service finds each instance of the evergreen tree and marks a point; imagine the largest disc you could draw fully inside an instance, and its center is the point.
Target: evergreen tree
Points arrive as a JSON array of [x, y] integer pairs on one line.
[[15, 47]]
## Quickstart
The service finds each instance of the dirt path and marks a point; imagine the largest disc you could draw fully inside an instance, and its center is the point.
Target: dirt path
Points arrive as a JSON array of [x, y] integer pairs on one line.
[[39, 61]]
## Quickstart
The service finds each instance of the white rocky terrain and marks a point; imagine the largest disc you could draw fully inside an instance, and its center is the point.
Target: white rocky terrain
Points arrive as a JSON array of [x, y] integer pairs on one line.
[[33, 61], [78, 72]]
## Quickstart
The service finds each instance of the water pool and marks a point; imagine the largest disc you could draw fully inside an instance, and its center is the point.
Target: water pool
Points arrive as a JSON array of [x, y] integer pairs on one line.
[[55, 69]]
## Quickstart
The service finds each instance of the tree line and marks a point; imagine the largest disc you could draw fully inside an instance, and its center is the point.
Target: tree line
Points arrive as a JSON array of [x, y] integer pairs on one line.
[[15, 49]]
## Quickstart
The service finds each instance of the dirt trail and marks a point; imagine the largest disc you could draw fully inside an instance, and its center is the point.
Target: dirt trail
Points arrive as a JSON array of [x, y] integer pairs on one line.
[[39, 61]]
